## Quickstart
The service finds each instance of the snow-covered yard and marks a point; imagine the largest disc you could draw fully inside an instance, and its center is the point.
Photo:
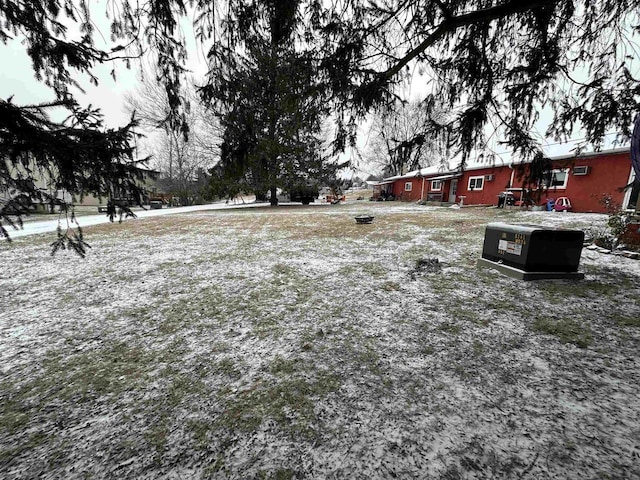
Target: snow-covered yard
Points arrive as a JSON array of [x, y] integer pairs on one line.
[[292, 343]]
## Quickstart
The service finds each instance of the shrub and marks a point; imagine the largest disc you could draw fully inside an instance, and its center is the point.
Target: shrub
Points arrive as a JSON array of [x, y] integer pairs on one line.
[[618, 231]]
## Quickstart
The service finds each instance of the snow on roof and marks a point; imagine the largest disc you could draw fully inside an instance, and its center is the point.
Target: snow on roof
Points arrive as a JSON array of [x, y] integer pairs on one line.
[[425, 172], [496, 163], [592, 154]]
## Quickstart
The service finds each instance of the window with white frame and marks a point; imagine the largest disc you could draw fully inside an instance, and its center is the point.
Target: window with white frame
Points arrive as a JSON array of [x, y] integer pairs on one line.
[[476, 183], [558, 179], [436, 185], [408, 186]]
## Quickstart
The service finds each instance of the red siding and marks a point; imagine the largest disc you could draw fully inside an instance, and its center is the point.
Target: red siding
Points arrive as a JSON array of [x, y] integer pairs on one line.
[[417, 185], [608, 173], [402, 194], [490, 188], [442, 193]]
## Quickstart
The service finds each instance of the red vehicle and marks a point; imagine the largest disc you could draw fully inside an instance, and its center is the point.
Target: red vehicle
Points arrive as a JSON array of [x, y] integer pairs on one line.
[[562, 204]]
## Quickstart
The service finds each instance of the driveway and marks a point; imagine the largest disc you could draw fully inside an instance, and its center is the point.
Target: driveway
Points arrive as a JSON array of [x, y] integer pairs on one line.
[[34, 228]]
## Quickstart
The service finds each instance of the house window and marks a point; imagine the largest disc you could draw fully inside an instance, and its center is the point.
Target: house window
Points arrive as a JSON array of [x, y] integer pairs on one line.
[[408, 186], [558, 179], [476, 183], [436, 185]]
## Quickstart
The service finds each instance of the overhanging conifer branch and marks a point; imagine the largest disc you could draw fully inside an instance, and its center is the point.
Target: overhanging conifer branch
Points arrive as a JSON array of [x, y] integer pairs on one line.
[[451, 24]]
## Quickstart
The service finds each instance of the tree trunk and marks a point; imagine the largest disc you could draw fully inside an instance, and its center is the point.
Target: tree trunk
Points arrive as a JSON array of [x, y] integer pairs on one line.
[[274, 197], [261, 196]]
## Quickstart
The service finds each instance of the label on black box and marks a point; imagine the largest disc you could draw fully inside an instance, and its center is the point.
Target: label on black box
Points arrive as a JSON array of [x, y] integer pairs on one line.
[[512, 248]]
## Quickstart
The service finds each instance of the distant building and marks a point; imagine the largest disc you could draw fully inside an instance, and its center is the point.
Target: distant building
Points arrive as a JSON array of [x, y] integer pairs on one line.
[[149, 184], [44, 183]]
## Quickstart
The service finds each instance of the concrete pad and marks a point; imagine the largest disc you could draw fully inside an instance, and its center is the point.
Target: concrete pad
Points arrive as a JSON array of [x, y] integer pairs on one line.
[[523, 275]]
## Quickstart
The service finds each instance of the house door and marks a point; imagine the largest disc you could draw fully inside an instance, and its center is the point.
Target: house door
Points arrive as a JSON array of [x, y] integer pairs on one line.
[[453, 190]]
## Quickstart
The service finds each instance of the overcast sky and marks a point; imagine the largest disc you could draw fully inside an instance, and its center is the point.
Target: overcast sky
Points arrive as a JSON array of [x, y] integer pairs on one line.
[[17, 77]]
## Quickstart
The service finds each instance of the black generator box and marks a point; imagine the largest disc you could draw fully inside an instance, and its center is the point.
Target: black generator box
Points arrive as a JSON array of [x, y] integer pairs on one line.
[[532, 251]]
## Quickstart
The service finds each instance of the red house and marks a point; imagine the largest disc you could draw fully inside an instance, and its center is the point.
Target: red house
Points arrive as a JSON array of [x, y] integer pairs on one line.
[[437, 184], [584, 179]]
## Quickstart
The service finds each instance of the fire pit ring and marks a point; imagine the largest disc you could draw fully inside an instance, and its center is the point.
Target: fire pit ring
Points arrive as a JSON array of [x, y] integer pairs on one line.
[[363, 219]]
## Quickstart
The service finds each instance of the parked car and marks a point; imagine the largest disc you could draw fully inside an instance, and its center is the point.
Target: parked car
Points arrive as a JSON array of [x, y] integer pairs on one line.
[[305, 193]]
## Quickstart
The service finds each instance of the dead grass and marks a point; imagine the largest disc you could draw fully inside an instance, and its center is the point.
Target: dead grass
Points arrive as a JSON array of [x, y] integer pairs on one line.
[[294, 343], [567, 330]]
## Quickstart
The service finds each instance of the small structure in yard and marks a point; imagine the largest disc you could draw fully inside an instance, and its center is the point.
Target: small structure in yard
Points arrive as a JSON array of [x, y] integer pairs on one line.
[[532, 252], [631, 235], [304, 193], [506, 199]]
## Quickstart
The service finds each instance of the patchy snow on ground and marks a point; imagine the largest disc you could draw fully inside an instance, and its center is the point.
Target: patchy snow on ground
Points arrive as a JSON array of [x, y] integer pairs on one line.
[[294, 343]]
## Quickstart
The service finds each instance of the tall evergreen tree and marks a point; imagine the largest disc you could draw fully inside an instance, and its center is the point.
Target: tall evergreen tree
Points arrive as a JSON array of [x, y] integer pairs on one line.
[[270, 103]]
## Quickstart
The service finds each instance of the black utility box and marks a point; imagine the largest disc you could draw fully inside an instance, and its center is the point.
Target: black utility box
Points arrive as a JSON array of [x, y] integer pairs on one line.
[[531, 251]]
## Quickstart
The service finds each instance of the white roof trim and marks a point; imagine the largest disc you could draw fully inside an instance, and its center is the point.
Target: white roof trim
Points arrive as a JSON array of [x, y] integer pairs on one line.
[[445, 177]]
